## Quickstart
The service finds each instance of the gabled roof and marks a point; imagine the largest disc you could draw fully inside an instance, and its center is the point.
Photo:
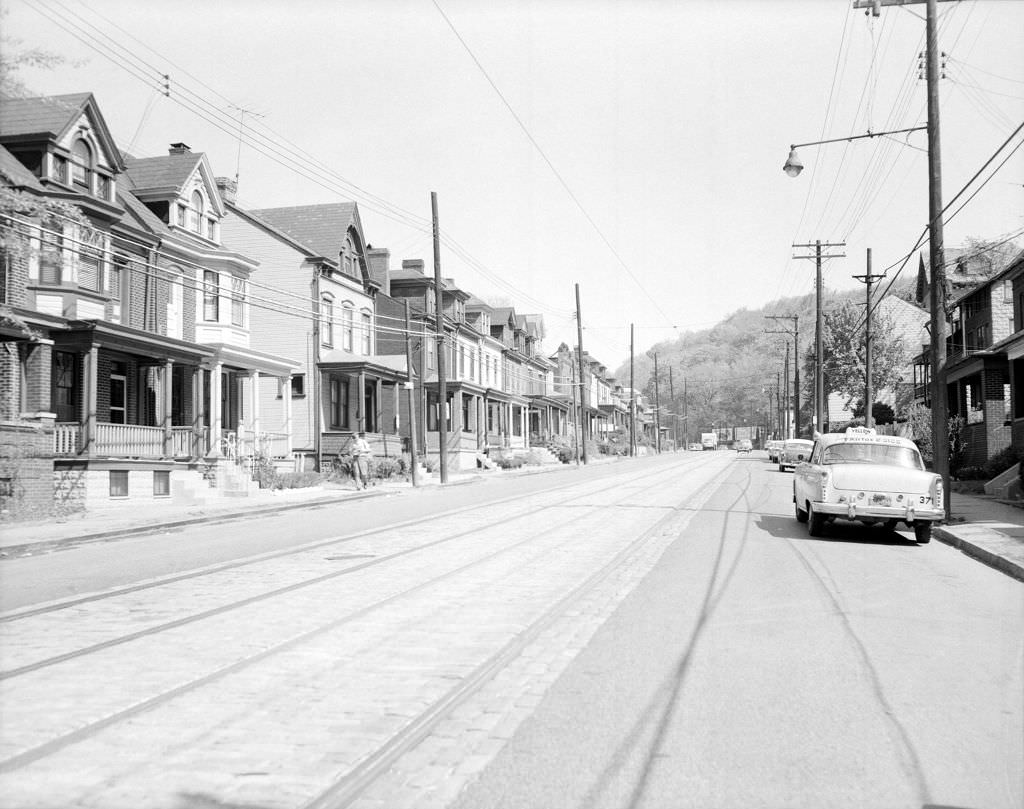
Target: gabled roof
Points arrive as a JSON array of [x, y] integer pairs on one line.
[[163, 177], [51, 117], [321, 227], [165, 172]]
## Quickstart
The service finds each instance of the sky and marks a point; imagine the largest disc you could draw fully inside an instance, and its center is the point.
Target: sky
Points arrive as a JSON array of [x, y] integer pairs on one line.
[[630, 150]]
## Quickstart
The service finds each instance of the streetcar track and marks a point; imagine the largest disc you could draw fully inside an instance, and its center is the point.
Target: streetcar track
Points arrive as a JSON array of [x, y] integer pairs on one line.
[[374, 561], [30, 612], [54, 745], [351, 786]]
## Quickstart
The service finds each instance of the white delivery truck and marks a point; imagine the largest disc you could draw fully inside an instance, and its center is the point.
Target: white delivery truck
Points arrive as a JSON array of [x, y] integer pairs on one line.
[[709, 440]]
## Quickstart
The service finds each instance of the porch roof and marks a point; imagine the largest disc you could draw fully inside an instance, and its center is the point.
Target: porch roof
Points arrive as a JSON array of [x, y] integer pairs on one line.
[[975, 363], [559, 402], [84, 334], [238, 356], [386, 366]]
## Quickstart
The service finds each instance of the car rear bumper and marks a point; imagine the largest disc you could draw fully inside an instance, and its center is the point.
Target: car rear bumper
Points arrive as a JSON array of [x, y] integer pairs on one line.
[[855, 511]]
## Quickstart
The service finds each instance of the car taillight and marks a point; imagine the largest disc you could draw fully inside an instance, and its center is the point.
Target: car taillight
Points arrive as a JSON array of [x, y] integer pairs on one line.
[[826, 475], [937, 493]]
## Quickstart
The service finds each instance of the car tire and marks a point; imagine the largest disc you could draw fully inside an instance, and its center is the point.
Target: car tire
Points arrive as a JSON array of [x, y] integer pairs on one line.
[[782, 468], [801, 515], [815, 522], [923, 532]]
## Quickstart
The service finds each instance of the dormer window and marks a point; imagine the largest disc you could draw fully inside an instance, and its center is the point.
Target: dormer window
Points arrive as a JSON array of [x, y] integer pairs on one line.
[[81, 164], [195, 214]]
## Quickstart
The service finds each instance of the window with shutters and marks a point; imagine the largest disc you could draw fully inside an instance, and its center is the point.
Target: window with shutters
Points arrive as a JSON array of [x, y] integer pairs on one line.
[[51, 252]]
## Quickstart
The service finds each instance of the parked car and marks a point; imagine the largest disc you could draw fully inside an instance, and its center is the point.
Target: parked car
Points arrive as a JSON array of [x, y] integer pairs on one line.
[[869, 478], [794, 451], [774, 448], [695, 446], [744, 445]]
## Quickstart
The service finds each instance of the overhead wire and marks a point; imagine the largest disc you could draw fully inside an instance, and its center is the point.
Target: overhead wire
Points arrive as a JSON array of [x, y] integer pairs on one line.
[[789, 268], [558, 175], [215, 115]]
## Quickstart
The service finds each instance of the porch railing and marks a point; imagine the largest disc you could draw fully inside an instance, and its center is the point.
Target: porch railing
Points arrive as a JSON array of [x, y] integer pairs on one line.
[[66, 437], [126, 440]]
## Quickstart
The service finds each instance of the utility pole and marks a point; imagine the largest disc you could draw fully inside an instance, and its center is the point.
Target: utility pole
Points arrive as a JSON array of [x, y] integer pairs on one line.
[[778, 403], [657, 409], [936, 247], [583, 386], [410, 386], [575, 414], [686, 414], [819, 377], [442, 371], [675, 415], [796, 370], [868, 279], [632, 398]]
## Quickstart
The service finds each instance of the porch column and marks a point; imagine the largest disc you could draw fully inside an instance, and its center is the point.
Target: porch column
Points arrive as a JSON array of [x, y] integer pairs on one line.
[[90, 363], [166, 381], [254, 402], [198, 423], [286, 404], [216, 417], [396, 425], [361, 404], [378, 402]]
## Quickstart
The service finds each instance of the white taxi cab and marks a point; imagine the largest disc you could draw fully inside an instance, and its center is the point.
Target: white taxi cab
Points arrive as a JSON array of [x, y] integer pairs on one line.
[[869, 478]]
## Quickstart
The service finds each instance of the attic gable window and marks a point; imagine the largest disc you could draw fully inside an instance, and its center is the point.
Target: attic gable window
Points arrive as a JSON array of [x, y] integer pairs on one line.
[[195, 214], [81, 164]]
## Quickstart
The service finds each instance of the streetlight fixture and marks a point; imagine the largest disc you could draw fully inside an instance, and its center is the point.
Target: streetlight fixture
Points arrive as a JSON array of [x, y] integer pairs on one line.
[[793, 165]]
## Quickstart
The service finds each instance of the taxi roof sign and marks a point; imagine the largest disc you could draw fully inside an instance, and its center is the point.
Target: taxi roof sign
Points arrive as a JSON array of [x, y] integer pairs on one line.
[[861, 431]]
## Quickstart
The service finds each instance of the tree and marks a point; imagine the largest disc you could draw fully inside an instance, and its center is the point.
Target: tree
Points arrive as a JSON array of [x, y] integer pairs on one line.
[[843, 354], [14, 58]]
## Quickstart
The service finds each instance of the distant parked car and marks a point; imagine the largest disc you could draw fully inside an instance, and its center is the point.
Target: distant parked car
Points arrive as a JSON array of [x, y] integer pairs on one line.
[[744, 445], [695, 446], [794, 451], [774, 448], [869, 478]]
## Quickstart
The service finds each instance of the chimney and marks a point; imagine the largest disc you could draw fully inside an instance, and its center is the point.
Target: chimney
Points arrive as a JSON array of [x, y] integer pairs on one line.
[[179, 148], [228, 188], [413, 264], [378, 259]]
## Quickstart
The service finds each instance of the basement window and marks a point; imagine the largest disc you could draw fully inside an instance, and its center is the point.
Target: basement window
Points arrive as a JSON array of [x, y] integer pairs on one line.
[[161, 483], [118, 483]]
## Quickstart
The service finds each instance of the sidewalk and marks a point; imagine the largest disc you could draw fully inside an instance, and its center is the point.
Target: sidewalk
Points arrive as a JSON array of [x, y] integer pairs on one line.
[[990, 530], [42, 536], [982, 527]]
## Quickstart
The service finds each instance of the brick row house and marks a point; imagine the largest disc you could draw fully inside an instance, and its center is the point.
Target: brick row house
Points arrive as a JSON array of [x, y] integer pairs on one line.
[[135, 355], [158, 336], [984, 363]]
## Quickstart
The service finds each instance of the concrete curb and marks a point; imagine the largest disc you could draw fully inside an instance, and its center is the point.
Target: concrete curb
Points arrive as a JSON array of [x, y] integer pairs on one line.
[[980, 552]]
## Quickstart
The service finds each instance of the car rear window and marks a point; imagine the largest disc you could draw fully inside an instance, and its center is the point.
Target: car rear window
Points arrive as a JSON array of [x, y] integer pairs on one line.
[[873, 453]]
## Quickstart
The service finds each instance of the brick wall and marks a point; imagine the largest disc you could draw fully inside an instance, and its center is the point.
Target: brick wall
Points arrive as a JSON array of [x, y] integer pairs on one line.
[[26, 470]]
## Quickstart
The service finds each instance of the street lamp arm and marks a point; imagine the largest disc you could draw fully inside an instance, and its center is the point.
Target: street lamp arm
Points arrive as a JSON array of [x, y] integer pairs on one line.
[[859, 137], [793, 166]]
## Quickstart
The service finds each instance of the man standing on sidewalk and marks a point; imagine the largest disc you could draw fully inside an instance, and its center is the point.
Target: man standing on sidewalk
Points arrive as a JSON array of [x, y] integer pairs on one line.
[[361, 453]]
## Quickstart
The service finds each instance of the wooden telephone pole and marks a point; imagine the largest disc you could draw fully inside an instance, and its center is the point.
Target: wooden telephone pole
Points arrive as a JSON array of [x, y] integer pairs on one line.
[[936, 248]]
